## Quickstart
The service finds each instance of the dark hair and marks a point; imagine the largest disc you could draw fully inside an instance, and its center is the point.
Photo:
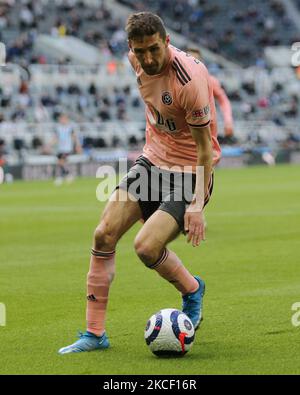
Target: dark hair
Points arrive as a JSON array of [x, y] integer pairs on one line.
[[144, 24]]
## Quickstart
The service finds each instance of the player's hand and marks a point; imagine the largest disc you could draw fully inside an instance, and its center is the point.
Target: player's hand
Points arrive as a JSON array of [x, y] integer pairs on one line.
[[228, 131], [194, 225]]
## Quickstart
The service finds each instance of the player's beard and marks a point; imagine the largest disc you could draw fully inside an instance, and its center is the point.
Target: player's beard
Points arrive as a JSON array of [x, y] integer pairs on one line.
[[151, 70], [157, 66]]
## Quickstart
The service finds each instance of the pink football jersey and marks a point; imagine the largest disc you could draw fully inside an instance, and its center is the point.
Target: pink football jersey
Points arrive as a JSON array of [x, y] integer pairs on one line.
[[179, 97]]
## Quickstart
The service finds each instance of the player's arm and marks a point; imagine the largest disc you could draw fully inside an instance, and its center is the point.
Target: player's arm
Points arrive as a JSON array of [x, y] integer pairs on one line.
[[194, 220], [195, 99], [225, 106]]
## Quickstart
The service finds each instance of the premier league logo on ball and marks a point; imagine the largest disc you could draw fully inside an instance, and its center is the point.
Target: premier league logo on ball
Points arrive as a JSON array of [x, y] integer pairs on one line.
[[167, 98]]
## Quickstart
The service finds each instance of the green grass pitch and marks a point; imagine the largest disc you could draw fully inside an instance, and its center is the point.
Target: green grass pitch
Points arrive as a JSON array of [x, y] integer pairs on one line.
[[250, 262]]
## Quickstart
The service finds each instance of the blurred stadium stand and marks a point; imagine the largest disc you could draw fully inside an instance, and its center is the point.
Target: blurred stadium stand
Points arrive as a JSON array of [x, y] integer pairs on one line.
[[239, 30], [247, 45]]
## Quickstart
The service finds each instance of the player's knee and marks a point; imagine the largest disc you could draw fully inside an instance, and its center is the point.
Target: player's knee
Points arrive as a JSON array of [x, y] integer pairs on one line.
[[145, 251], [104, 237]]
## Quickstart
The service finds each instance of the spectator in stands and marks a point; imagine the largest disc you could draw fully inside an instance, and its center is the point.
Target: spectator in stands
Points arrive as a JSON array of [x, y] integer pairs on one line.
[[41, 113], [121, 112], [26, 17], [18, 113], [104, 113], [92, 90], [3, 18], [293, 108]]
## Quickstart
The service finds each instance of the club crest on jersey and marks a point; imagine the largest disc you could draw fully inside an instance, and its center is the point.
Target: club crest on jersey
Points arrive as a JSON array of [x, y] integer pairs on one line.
[[167, 98]]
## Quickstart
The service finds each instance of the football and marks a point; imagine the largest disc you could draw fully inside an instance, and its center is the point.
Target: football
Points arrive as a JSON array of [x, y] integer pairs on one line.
[[169, 332]]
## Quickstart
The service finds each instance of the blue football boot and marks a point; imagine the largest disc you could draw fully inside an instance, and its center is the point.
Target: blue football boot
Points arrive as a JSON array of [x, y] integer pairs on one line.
[[192, 304], [87, 342]]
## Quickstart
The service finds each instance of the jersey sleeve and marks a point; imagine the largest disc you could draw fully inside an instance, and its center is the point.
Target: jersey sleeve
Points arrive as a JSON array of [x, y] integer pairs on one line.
[[194, 100]]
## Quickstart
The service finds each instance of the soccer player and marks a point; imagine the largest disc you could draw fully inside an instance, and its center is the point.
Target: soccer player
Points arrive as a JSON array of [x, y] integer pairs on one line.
[[67, 143], [221, 97], [180, 134]]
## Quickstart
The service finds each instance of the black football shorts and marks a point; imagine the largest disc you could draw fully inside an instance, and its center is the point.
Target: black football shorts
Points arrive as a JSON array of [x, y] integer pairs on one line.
[[155, 188]]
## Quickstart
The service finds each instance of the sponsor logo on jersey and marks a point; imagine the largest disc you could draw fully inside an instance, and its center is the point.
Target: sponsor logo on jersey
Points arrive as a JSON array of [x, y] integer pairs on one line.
[[198, 114], [167, 98]]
